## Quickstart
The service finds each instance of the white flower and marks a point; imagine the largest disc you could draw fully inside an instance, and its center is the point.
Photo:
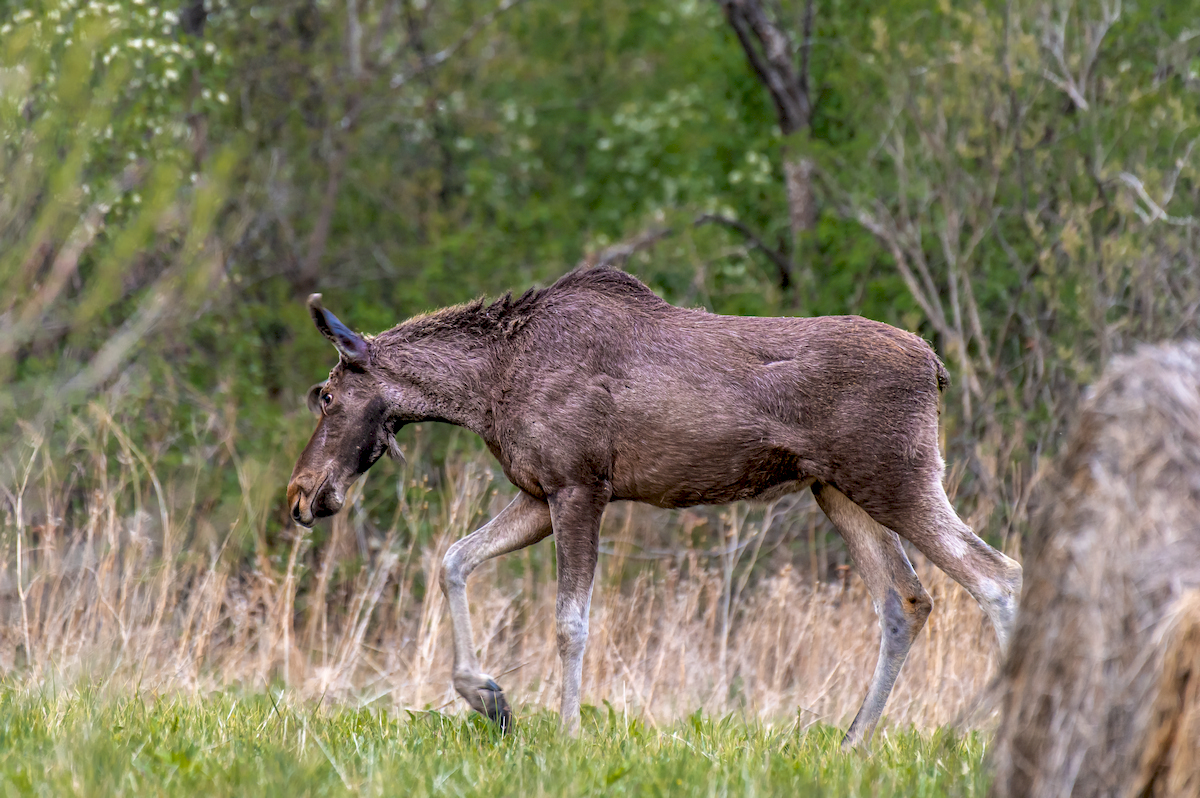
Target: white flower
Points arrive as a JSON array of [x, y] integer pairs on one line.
[[222, 97], [170, 75], [206, 94], [136, 44], [210, 48]]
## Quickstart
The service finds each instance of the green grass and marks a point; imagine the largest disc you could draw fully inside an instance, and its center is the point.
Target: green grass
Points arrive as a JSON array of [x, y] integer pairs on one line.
[[85, 742]]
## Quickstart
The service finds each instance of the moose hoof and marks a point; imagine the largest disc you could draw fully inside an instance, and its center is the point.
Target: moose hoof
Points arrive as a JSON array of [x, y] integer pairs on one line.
[[495, 705], [486, 698]]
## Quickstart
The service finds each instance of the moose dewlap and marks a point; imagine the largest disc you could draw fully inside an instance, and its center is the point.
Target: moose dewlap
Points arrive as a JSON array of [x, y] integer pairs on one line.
[[1101, 690]]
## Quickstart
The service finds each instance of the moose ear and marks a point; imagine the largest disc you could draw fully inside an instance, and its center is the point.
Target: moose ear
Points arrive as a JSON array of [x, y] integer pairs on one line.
[[314, 398], [350, 345]]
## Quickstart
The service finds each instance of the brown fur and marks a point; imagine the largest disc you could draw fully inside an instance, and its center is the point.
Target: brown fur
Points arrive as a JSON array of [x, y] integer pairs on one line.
[[594, 390]]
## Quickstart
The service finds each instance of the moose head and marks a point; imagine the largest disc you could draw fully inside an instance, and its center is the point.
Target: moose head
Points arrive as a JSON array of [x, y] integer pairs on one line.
[[358, 415]]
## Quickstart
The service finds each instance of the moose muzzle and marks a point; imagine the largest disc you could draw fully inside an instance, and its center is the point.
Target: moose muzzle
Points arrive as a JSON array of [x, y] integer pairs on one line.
[[308, 504]]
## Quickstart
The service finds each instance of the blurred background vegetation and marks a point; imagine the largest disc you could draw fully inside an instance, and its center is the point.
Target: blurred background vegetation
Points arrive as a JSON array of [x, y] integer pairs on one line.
[[1016, 181]]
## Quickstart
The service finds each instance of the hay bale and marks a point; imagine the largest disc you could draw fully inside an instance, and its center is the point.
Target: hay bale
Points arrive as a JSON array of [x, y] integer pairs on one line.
[[1099, 691], [1171, 758]]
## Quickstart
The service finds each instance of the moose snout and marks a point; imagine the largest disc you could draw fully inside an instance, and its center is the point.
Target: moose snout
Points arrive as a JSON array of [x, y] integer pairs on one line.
[[308, 504], [300, 501]]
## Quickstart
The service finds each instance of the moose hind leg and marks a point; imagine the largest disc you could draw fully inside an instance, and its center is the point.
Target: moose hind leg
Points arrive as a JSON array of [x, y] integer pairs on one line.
[[901, 603], [993, 579], [525, 521]]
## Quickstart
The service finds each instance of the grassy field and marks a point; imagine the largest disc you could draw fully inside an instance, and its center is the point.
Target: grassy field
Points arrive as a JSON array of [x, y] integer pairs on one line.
[[86, 742], [294, 670], [150, 600]]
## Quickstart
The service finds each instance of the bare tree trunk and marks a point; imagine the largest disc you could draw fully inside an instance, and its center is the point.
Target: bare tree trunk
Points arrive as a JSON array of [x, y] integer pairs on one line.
[[802, 210], [770, 52]]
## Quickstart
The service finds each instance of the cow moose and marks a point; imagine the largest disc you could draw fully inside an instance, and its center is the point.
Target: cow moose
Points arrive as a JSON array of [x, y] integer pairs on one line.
[[595, 390]]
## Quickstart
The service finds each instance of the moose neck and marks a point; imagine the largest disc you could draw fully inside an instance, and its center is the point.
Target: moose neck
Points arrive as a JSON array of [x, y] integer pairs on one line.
[[452, 375]]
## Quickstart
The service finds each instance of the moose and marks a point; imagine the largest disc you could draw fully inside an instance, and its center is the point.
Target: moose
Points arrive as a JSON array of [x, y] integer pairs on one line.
[[594, 390]]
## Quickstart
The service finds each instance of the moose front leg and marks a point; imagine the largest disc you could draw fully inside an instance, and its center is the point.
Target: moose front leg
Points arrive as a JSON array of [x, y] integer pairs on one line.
[[525, 521], [576, 513]]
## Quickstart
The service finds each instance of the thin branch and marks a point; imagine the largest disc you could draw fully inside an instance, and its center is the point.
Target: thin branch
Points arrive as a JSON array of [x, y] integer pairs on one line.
[[932, 312], [1055, 41], [440, 57], [354, 36], [806, 49], [306, 280], [619, 253], [1156, 211], [1169, 192], [1067, 85], [782, 262]]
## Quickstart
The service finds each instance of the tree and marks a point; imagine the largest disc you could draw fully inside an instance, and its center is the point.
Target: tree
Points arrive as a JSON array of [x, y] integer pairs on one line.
[[772, 55]]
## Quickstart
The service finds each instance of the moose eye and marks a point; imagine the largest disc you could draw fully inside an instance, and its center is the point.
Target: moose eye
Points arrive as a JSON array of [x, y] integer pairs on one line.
[[326, 399]]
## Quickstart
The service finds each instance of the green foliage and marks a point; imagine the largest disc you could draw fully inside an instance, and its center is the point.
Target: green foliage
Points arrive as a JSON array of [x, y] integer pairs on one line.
[[86, 742], [1016, 182], [106, 231], [1014, 168]]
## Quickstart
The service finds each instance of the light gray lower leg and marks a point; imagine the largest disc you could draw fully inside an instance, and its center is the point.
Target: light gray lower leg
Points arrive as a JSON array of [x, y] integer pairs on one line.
[[576, 513], [571, 614], [525, 521], [901, 603]]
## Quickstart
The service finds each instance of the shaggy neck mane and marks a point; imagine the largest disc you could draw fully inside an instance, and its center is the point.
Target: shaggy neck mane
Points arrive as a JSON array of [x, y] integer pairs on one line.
[[471, 322], [485, 323]]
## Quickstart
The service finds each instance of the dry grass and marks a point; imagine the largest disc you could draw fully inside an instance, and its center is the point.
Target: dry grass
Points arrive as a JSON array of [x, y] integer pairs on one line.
[[112, 597]]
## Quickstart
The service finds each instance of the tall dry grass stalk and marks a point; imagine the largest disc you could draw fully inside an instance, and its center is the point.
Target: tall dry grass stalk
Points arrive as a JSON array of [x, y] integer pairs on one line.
[[123, 596]]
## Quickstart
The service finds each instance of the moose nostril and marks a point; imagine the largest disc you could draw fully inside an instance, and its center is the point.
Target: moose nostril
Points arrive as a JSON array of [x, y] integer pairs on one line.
[[296, 511]]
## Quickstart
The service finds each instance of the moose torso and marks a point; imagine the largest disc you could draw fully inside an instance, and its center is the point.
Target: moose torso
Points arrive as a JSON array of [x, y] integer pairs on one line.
[[678, 407]]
